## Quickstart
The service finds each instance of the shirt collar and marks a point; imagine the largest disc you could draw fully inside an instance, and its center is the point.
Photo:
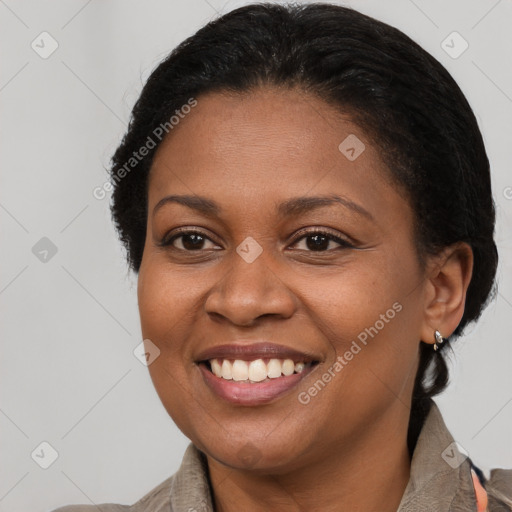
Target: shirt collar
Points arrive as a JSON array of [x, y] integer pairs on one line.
[[440, 478]]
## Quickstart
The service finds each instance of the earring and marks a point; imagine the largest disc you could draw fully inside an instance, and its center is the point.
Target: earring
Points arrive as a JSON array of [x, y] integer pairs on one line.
[[439, 339]]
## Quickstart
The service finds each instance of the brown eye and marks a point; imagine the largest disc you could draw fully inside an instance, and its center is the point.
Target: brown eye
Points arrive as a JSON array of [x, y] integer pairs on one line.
[[319, 241], [190, 241]]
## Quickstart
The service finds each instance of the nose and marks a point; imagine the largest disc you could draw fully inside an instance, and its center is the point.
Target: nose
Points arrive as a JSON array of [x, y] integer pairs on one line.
[[248, 291]]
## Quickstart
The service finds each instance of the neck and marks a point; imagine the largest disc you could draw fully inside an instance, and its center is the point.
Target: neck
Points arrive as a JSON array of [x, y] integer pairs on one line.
[[371, 475]]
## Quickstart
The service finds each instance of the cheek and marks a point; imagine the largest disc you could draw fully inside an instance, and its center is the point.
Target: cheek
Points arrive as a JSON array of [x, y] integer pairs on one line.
[[163, 296], [370, 318], [164, 301], [348, 302], [164, 304]]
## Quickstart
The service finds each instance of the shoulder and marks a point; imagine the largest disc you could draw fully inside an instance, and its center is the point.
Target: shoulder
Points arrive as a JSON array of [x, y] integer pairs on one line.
[[499, 490], [104, 507], [156, 500], [188, 486]]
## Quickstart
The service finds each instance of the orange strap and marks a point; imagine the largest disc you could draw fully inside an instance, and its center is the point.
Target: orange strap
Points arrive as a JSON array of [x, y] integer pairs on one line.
[[481, 493]]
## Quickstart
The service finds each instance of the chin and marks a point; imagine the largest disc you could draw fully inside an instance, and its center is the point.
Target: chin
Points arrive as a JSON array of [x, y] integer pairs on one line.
[[246, 454]]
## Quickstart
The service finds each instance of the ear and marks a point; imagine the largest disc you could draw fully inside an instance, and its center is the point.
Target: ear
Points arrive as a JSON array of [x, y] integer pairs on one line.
[[448, 277]]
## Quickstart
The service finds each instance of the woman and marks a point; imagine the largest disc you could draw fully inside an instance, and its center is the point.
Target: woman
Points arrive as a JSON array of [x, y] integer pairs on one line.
[[305, 195]]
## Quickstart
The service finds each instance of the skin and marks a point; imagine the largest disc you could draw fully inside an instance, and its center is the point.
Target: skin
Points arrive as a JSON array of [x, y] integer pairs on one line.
[[249, 152]]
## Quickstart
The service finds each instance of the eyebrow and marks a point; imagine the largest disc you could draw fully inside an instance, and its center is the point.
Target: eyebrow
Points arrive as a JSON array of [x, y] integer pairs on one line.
[[294, 206]]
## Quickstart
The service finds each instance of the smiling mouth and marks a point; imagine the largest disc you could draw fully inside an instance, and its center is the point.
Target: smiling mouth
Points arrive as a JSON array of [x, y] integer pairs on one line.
[[256, 370]]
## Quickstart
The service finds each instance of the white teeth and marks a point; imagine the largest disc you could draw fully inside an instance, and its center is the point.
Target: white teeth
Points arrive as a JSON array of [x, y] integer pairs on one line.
[[240, 370], [299, 367], [226, 370], [288, 367], [254, 371], [257, 370], [274, 369], [216, 367]]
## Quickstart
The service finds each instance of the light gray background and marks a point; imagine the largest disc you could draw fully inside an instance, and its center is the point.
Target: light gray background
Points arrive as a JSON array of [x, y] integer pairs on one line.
[[69, 326]]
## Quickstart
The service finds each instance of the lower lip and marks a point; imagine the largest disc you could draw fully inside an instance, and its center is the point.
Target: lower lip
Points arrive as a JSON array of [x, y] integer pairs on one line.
[[246, 393]]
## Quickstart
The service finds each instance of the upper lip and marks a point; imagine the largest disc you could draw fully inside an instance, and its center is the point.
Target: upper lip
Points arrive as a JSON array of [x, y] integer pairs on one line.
[[249, 351]]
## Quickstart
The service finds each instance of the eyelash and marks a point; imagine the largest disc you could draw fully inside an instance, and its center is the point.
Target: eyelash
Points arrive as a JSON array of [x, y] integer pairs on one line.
[[344, 244]]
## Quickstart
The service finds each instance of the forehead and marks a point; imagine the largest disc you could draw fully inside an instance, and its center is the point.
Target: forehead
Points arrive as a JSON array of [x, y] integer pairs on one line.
[[268, 142]]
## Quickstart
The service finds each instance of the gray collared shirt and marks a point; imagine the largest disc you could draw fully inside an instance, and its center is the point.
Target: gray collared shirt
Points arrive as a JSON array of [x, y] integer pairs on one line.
[[440, 481]]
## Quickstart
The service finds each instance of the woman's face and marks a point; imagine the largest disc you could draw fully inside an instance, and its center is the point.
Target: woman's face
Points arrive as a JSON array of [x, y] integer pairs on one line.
[[305, 252]]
